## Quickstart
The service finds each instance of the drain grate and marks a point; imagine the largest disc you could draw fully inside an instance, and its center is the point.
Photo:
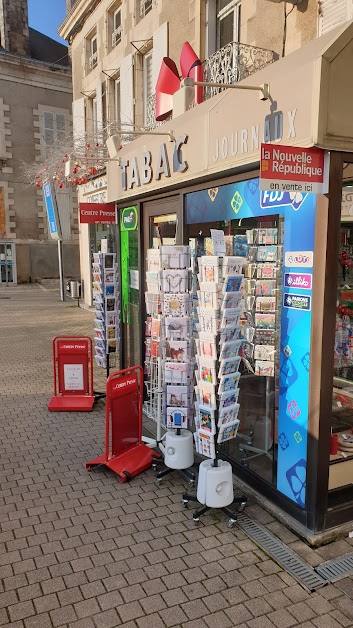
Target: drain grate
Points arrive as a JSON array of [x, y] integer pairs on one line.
[[284, 556], [336, 568]]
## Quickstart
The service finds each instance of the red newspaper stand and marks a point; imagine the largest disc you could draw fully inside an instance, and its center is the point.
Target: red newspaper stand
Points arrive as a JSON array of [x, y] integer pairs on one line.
[[73, 374], [123, 426]]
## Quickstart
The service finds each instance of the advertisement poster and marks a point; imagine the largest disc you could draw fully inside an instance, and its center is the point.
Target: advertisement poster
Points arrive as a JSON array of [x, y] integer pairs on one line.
[[73, 376]]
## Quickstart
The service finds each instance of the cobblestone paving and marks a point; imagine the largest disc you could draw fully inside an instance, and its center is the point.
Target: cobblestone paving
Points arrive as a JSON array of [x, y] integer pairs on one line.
[[78, 549]]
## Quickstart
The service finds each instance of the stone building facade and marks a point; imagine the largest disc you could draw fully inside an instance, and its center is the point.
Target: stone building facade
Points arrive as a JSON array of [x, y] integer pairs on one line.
[[35, 106]]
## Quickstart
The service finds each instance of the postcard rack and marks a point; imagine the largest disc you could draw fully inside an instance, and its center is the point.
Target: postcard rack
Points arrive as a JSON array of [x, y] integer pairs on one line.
[[106, 304], [219, 351], [169, 362]]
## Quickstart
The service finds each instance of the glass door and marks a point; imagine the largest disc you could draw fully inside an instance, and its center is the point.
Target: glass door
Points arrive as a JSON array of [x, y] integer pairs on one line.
[[7, 263]]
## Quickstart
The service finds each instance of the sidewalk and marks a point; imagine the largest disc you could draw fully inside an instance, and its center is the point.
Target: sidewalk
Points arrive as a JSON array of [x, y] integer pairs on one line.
[[78, 549]]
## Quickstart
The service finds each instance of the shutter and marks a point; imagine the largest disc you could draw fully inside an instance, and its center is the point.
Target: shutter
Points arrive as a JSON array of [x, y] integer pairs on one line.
[[78, 121], [333, 13], [160, 50], [99, 100], [127, 91], [117, 102], [60, 120], [48, 128], [148, 75]]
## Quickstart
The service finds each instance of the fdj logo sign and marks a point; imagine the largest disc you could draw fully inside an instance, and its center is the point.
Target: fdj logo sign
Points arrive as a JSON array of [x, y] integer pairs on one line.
[[280, 199], [129, 219]]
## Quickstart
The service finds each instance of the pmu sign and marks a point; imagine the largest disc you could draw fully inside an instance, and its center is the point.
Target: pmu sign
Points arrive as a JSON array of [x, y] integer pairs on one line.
[[292, 169]]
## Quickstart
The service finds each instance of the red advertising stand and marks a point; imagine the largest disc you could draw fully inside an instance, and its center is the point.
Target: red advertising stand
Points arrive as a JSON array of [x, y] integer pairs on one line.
[[73, 374], [123, 426]]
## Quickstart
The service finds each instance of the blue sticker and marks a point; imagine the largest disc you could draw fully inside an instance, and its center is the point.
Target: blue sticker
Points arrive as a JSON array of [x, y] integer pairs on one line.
[[283, 441], [297, 301], [296, 478]]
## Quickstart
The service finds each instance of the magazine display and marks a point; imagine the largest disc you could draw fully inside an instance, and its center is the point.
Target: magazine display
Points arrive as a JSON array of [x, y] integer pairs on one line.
[[106, 299]]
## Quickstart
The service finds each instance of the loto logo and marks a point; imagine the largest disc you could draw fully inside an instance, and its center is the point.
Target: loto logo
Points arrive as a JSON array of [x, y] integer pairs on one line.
[[302, 259], [297, 280]]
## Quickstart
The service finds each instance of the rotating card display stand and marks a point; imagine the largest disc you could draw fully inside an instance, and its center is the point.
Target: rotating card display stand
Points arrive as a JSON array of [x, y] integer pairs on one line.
[[169, 342], [106, 304], [217, 378]]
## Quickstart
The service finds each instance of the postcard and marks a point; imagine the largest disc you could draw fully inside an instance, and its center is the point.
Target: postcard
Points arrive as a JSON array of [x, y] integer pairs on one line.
[[109, 276], [229, 333], [265, 304], [265, 287], [267, 254], [229, 382], [109, 260], [153, 260], [217, 237], [233, 265], [228, 398], [228, 432], [265, 337], [231, 300], [264, 352], [207, 396], [230, 316], [264, 368], [155, 327], [228, 415], [111, 346], [110, 304], [265, 320], [267, 271], [230, 365], [111, 332], [206, 444], [230, 349], [232, 283]]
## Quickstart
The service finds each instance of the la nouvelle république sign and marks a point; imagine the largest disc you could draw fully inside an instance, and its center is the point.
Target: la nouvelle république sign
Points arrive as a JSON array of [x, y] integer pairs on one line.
[[292, 169]]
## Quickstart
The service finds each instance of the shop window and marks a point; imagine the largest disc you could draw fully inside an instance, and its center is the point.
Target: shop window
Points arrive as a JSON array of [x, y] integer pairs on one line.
[[340, 480], [147, 85]]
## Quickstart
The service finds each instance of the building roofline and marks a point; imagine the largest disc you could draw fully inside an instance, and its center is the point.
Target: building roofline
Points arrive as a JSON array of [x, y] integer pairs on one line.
[[75, 19], [45, 65]]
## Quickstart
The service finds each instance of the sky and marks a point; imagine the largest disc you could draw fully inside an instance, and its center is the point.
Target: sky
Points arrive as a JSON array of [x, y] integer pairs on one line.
[[46, 16]]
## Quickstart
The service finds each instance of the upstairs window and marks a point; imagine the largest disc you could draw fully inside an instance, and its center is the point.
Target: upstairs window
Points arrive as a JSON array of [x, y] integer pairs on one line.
[[145, 7], [333, 13], [92, 50], [228, 22], [116, 34], [54, 127]]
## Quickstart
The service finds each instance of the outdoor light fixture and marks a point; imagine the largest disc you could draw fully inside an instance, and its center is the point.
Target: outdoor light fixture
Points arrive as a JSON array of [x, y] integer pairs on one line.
[[264, 88], [113, 142]]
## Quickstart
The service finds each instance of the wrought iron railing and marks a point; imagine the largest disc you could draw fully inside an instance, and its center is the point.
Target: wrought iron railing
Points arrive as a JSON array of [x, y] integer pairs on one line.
[[150, 114], [233, 63], [146, 6]]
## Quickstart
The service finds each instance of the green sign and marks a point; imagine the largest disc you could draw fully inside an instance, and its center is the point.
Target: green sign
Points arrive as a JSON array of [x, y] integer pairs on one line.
[[129, 219]]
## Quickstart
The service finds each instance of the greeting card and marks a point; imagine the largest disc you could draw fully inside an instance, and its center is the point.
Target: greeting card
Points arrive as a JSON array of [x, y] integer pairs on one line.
[[230, 365], [176, 350], [233, 265], [264, 352], [265, 321], [229, 382], [228, 432], [231, 300], [177, 395], [265, 304], [230, 349], [175, 257], [176, 372], [153, 260], [206, 444], [231, 332], [228, 415], [232, 283], [264, 368], [176, 304], [265, 287], [207, 420], [177, 327], [266, 271], [228, 398], [267, 254], [175, 280]]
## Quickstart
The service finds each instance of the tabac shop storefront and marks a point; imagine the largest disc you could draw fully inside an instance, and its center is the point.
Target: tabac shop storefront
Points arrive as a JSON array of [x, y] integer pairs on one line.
[[208, 179]]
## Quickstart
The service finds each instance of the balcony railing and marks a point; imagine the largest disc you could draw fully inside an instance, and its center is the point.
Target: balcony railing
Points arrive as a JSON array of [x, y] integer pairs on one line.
[[146, 6], [116, 37], [93, 61], [233, 63]]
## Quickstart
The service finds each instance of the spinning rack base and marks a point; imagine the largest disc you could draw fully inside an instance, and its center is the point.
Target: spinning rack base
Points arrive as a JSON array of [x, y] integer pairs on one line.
[[231, 514]]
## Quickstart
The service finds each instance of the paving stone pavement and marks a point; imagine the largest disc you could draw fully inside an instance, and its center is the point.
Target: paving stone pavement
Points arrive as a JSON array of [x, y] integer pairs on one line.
[[78, 549]]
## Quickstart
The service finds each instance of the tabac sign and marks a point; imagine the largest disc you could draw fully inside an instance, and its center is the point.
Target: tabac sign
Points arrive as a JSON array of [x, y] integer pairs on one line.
[[140, 170], [293, 169]]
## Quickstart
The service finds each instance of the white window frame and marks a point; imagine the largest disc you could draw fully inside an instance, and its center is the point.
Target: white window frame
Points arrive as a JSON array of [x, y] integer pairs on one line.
[[147, 59], [93, 54], [117, 114], [232, 7], [117, 30], [94, 117], [146, 6]]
